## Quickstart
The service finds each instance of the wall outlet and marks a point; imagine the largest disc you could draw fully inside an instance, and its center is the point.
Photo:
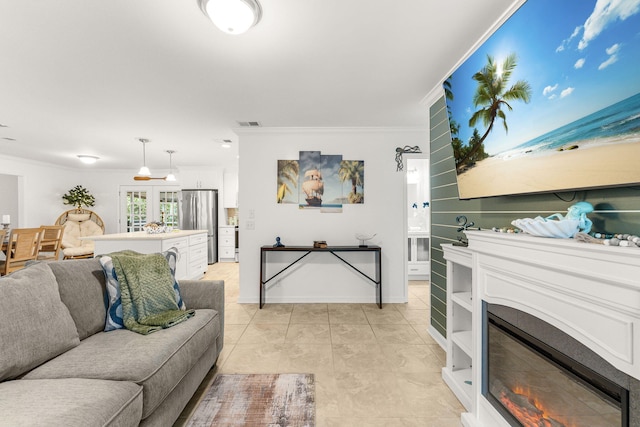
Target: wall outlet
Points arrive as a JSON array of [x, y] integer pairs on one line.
[[250, 225]]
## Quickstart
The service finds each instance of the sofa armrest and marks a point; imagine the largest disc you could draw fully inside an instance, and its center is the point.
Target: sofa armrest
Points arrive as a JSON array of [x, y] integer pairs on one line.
[[199, 294], [203, 294]]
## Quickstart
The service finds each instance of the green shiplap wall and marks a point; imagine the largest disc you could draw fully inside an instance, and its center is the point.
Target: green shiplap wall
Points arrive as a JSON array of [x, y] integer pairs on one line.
[[617, 210]]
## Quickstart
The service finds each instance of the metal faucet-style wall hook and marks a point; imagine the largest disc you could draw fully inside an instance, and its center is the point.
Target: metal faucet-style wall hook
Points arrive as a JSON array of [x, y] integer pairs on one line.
[[462, 222], [405, 149], [463, 225]]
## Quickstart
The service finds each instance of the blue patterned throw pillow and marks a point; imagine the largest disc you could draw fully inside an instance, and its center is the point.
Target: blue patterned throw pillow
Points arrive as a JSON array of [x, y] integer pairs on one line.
[[114, 302], [172, 255]]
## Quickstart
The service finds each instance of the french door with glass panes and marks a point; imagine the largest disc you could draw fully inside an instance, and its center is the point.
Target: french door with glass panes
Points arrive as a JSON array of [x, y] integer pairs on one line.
[[140, 205]]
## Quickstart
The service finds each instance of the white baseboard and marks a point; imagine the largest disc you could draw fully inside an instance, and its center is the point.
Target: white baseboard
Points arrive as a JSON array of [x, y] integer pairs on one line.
[[322, 300], [437, 337]]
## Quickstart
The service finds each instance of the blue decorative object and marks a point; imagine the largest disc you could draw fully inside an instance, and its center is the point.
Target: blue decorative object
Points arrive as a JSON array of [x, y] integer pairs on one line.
[[278, 243], [557, 225], [578, 211]]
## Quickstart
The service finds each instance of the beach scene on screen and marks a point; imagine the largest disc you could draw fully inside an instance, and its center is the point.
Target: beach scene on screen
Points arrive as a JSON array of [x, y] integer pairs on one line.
[[550, 102]]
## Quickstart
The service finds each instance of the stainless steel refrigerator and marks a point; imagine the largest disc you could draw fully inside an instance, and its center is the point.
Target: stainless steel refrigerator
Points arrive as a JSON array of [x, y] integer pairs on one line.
[[198, 210]]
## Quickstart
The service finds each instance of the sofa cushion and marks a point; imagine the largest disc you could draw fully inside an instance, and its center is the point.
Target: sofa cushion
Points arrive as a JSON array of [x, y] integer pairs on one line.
[[78, 217], [90, 228], [82, 289], [70, 402], [73, 230], [114, 318], [35, 325], [86, 248], [157, 361], [71, 235]]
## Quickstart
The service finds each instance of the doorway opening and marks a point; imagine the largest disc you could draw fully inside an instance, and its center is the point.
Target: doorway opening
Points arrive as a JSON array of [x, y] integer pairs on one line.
[[418, 219]]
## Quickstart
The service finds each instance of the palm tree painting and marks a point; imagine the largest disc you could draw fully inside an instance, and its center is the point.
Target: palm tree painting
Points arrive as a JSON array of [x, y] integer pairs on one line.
[[288, 171], [493, 96], [550, 97], [352, 171], [319, 181]]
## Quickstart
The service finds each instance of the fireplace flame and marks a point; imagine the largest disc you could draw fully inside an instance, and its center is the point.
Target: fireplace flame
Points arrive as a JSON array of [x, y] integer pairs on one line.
[[527, 408]]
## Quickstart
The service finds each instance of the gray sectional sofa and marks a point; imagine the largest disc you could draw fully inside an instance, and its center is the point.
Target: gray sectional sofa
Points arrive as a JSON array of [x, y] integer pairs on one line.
[[58, 367]]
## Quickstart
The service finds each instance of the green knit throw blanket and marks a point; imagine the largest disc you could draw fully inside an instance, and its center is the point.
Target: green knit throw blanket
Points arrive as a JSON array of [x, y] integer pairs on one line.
[[146, 288]]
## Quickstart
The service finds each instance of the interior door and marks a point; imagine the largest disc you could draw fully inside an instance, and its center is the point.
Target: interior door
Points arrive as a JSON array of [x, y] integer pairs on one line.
[[140, 205]]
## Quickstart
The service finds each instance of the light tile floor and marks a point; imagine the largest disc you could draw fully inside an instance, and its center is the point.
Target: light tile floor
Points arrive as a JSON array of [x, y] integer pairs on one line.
[[372, 367]]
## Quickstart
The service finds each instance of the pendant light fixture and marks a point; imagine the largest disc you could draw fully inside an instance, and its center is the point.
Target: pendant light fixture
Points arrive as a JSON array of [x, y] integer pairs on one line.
[[171, 176], [144, 170], [232, 16]]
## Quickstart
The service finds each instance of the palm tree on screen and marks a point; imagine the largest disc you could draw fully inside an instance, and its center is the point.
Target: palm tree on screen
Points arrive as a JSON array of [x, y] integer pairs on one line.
[[493, 96]]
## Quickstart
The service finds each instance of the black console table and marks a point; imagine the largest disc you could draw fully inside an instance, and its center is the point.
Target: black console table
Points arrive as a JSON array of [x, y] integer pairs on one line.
[[334, 250]]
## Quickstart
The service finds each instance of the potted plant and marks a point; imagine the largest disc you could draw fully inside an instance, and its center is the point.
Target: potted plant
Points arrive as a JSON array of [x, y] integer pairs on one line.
[[79, 196]]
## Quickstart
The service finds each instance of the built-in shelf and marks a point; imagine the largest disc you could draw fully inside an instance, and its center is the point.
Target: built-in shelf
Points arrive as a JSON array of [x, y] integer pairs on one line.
[[460, 382], [459, 370], [464, 340], [462, 298]]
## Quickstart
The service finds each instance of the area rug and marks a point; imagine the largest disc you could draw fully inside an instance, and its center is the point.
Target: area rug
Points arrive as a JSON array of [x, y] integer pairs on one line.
[[257, 400]]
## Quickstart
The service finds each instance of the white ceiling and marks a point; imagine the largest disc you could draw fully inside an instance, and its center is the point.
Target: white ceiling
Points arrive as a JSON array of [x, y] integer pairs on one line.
[[91, 76]]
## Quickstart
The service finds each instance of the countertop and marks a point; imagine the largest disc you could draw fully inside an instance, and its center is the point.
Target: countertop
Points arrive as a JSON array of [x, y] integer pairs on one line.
[[143, 235]]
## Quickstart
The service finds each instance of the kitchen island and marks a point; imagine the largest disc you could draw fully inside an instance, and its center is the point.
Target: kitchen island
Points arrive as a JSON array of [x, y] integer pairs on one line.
[[191, 246]]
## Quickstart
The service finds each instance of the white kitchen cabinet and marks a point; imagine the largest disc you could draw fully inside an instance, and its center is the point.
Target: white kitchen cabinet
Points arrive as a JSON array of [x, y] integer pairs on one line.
[[180, 243], [230, 189], [191, 246], [227, 244], [198, 255], [419, 265]]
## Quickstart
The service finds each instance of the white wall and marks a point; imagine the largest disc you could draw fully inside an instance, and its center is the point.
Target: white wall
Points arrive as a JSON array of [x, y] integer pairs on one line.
[[9, 196], [40, 188], [319, 277], [42, 185]]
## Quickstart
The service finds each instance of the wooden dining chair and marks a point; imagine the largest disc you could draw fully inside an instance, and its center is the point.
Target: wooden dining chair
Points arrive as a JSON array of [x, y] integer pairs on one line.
[[51, 242], [3, 236], [23, 246]]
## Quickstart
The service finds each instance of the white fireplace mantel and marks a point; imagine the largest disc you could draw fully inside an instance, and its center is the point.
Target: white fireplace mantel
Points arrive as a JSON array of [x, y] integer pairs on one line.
[[589, 291]]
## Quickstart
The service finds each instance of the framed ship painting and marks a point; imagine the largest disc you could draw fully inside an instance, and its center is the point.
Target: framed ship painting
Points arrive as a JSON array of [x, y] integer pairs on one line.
[[319, 181]]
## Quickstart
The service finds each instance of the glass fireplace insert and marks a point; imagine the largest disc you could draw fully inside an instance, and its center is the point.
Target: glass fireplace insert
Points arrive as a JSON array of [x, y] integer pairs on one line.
[[532, 384]]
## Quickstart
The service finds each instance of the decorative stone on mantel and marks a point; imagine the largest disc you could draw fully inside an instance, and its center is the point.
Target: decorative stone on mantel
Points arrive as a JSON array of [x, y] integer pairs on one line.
[[590, 292]]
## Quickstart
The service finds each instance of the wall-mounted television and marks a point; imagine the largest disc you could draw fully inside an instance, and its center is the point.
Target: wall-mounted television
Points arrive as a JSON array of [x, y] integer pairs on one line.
[[550, 102]]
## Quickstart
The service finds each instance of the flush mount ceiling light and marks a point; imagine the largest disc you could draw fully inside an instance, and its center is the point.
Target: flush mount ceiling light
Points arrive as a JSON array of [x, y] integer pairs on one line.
[[144, 170], [171, 176], [226, 143], [88, 160], [232, 16]]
